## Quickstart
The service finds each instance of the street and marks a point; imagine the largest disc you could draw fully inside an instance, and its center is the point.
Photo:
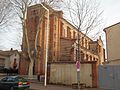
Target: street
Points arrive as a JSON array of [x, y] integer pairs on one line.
[[38, 86]]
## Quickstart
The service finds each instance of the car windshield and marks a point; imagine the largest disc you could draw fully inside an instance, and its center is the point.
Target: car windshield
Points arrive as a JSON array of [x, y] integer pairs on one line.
[[21, 79], [8, 79], [13, 79]]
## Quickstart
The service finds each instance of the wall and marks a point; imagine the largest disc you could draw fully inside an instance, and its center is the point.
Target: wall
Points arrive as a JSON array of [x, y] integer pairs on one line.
[[12, 57], [4, 61], [113, 44], [109, 77], [67, 74]]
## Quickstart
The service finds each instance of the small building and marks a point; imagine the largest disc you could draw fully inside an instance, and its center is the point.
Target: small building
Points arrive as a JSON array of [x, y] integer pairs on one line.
[[9, 59], [109, 73], [113, 44]]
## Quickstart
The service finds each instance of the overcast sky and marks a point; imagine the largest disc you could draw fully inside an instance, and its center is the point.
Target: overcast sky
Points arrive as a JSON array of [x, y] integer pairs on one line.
[[111, 15]]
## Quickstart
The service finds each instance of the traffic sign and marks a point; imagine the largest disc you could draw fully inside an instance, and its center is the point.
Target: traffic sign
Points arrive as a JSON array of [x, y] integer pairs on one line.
[[78, 65]]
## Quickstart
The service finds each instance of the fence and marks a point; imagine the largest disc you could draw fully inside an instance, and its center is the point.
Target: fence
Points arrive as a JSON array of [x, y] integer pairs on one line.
[[109, 77], [67, 74]]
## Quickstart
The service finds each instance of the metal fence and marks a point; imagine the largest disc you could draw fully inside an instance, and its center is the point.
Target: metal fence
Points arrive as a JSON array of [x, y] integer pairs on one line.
[[109, 77]]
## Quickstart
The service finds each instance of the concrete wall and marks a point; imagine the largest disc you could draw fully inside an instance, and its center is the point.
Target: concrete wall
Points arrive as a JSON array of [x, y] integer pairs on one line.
[[67, 74]]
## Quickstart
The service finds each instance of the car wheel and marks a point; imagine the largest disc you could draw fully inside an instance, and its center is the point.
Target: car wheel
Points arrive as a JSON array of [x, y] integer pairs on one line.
[[11, 88]]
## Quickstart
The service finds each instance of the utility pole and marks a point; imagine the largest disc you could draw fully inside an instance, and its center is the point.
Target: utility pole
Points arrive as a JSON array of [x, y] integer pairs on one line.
[[78, 61], [47, 43], [77, 58]]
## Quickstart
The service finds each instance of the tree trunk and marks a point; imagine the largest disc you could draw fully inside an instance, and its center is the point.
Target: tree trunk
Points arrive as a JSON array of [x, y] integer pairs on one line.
[[30, 71]]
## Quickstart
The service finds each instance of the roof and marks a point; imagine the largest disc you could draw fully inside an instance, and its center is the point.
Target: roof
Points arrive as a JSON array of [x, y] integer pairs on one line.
[[39, 5], [93, 42], [110, 26], [76, 28], [8, 53]]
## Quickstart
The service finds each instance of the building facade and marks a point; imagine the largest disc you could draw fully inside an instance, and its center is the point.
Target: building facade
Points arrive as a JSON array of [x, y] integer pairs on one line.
[[9, 60], [112, 44], [62, 42]]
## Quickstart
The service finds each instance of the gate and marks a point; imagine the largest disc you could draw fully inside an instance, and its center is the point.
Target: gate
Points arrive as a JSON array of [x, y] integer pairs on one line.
[[109, 77]]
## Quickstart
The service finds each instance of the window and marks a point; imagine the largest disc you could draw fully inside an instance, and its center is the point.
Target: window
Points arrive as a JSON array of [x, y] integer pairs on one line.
[[86, 57], [82, 41], [34, 12], [68, 32], [74, 34], [54, 53], [70, 35], [86, 43], [61, 29], [90, 58], [10, 79], [4, 79], [82, 56]]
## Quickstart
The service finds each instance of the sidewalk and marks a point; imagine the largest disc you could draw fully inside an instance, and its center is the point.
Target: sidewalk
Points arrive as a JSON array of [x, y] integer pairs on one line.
[[39, 86]]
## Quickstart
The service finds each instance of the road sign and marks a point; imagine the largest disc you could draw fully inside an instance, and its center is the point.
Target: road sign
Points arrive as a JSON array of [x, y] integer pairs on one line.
[[78, 65]]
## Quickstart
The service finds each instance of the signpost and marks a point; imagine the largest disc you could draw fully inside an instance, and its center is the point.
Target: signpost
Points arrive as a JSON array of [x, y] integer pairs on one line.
[[78, 73], [78, 65], [77, 58]]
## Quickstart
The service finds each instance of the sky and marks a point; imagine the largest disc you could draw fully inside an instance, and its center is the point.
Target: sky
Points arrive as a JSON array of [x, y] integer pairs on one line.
[[111, 15]]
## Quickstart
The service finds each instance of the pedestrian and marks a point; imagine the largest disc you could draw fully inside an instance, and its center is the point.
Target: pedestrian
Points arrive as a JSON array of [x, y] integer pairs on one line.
[[38, 77]]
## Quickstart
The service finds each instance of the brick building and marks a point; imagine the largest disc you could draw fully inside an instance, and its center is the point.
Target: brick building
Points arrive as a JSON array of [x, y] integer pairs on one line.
[[62, 37]]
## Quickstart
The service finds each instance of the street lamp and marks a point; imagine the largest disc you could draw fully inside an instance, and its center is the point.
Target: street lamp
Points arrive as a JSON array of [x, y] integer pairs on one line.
[[77, 58], [78, 61], [47, 43]]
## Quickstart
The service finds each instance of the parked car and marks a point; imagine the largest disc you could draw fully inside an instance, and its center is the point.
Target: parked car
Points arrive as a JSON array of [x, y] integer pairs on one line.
[[14, 83]]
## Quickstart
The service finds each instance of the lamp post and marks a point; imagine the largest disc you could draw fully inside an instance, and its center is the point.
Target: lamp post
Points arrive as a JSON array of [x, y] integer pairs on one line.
[[78, 62], [47, 43], [77, 58]]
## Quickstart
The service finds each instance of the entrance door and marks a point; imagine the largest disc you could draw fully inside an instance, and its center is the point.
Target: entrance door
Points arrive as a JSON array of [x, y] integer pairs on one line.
[[94, 75]]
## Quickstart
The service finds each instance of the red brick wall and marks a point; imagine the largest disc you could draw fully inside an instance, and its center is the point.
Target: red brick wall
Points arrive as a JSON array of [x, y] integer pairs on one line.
[[23, 70]]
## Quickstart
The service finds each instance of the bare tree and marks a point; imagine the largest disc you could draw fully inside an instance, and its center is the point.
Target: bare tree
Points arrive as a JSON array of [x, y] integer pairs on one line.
[[20, 6], [86, 17], [5, 19], [5, 12]]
